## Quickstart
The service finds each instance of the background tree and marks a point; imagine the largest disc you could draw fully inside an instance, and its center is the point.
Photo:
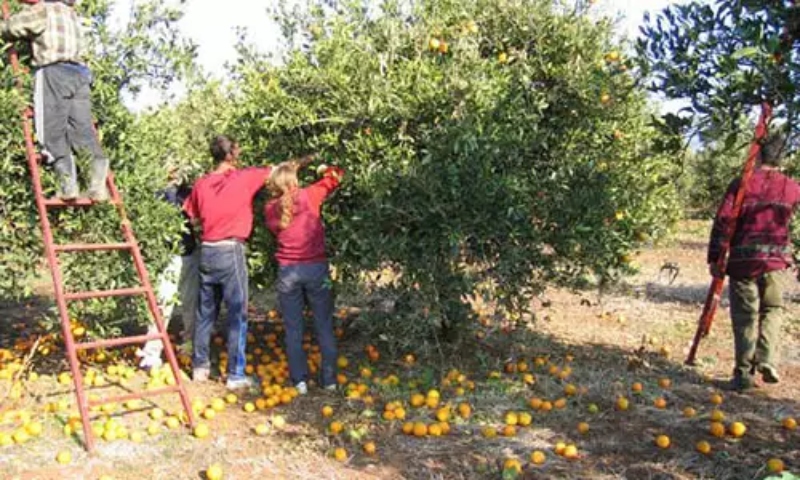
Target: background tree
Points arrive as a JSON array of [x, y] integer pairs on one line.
[[146, 51]]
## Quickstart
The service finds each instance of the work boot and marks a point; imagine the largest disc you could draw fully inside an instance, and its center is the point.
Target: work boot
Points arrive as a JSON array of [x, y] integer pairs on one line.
[[67, 181], [97, 187]]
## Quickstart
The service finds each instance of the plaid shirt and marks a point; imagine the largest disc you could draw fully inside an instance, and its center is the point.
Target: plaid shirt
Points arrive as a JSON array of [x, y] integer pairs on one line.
[[53, 28], [760, 242]]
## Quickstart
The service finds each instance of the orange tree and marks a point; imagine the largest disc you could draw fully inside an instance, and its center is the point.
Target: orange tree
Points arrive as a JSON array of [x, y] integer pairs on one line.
[[500, 143], [146, 51]]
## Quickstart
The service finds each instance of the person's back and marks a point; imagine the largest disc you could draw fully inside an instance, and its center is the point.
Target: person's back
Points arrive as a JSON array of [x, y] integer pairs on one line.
[[303, 240], [54, 29], [761, 240], [224, 202]]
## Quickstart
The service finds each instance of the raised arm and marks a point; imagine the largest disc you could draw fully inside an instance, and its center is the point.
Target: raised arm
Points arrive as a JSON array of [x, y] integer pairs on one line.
[[319, 190]]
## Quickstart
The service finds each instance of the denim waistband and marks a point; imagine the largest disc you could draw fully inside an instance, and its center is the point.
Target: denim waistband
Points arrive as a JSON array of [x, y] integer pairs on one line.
[[223, 243]]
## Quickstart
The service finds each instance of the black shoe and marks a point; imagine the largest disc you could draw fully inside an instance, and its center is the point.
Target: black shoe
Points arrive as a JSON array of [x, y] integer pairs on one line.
[[769, 374], [742, 383]]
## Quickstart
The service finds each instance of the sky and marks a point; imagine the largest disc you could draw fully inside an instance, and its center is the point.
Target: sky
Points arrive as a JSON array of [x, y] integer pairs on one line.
[[205, 16], [212, 26]]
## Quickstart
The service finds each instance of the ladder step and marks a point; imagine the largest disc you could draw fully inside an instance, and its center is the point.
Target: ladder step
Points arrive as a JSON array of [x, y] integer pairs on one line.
[[135, 395], [117, 342], [78, 202], [91, 247], [120, 292]]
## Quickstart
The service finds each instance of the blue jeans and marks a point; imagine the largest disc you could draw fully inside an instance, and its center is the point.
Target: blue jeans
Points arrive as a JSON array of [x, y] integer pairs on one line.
[[223, 276], [296, 284]]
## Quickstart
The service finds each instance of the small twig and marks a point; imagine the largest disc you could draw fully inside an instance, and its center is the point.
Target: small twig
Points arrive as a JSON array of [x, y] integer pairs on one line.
[[26, 363]]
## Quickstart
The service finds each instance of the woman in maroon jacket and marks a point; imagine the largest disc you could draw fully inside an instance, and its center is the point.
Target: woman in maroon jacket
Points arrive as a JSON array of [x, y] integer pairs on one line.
[[293, 216]]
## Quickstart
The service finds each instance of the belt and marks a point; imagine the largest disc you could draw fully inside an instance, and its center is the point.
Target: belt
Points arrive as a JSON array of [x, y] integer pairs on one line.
[[223, 243]]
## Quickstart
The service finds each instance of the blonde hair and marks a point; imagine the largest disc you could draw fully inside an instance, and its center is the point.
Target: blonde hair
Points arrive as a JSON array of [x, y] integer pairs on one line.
[[283, 185]]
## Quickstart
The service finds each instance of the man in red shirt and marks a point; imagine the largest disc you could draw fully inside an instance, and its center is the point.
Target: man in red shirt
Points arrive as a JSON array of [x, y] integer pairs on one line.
[[222, 203], [760, 253]]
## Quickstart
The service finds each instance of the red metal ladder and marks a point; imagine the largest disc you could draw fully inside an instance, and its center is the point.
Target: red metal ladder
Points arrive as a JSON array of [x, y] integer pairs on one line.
[[130, 244]]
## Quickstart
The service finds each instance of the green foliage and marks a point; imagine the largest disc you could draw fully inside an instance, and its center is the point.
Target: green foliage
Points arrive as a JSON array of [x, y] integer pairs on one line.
[[498, 161], [146, 52], [724, 57]]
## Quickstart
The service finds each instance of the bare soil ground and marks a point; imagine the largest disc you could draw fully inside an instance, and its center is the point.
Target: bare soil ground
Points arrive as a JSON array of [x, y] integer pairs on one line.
[[639, 332]]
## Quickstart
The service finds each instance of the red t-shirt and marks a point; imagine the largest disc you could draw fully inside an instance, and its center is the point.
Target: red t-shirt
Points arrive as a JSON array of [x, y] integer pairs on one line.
[[303, 241], [223, 202]]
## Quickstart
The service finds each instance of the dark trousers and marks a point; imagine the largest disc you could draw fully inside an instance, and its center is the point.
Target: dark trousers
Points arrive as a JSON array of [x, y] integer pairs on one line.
[[223, 276], [63, 119], [756, 314], [297, 284]]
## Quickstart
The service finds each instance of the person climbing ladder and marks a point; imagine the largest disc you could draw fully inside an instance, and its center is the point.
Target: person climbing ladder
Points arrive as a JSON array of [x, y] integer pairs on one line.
[[62, 103]]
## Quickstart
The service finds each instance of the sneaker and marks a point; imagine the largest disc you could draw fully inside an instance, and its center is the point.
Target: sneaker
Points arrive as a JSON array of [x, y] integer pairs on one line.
[[241, 383], [769, 374], [201, 374], [330, 388], [302, 388], [150, 361]]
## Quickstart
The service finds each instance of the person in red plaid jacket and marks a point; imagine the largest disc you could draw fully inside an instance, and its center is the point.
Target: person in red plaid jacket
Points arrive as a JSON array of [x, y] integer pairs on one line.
[[760, 254]]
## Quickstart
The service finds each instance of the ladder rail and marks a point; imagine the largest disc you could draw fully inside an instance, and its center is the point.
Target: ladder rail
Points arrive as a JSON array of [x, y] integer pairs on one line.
[[152, 302], [47, 237]]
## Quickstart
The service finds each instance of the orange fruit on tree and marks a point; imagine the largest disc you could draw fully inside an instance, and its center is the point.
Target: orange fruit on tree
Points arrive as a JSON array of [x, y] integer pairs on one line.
[[660, 402], [435, 430], [327, 411], [570, 389], [622, 403], [538, 457], [434, 43], [443, 414], [201, 430], [399, 413], [489, 432], [689, 412], [420, 429], [535, 403], [664, 383], [717, 416], [560, 403], [417, 400], [408, 428], [464, 410], [716, 399], [509, 431], [637, 387], [662, 441]]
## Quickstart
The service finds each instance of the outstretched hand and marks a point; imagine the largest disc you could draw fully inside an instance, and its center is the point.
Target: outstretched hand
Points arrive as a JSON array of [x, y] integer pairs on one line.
[[305, 160]]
